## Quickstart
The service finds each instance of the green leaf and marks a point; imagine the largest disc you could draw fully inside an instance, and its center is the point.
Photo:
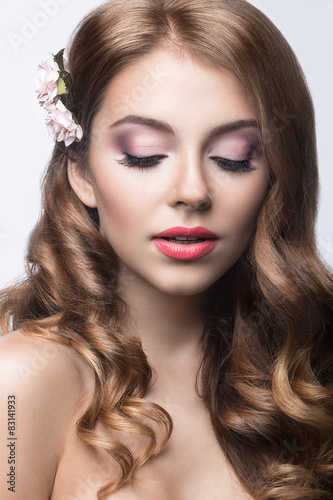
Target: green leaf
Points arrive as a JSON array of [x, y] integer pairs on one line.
[[61, 88]]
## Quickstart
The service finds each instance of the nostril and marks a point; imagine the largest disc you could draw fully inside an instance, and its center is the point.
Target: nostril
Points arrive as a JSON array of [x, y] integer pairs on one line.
[[204, 204], [195, 204]]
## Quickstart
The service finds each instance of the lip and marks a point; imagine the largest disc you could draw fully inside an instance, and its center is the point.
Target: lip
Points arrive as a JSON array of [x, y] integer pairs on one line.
[[181, 251], [199, 231]]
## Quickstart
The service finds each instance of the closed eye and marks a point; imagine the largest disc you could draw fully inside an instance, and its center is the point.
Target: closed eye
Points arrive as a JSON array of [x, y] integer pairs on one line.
[[147, 162], [233, 165], [143, 162]]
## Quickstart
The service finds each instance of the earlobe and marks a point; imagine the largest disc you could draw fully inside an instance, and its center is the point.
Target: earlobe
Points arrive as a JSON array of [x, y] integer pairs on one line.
[[81, 184]]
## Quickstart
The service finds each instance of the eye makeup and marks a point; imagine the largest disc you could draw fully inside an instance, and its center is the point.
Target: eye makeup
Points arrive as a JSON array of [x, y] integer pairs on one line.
[[237, 145], [140, 141], [144, 147], [142, 162]]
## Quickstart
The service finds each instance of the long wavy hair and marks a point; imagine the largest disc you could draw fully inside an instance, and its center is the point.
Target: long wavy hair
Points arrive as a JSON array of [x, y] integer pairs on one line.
[[267, 369]]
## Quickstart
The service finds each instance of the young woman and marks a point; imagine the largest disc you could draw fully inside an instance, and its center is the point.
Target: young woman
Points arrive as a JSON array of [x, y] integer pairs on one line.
[[173, 338]]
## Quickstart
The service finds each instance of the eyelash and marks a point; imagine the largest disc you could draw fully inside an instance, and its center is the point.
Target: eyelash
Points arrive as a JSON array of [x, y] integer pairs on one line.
[[148, 162], [233, 165], [141, 162]]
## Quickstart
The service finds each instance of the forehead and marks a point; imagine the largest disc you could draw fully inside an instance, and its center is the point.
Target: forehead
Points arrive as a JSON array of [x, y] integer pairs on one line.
[[178, 90]]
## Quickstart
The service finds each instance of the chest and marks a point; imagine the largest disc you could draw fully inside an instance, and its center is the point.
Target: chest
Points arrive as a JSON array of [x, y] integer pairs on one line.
[[191, 466]]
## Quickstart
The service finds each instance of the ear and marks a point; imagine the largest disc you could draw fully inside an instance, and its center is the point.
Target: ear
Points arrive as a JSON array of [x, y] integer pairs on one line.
[[79, 180]]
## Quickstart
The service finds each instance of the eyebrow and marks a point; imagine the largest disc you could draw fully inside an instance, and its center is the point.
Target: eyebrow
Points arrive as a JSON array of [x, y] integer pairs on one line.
[[162, 126]]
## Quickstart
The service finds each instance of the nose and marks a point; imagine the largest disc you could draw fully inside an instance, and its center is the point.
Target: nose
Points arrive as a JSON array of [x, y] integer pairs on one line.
[[190, 186]]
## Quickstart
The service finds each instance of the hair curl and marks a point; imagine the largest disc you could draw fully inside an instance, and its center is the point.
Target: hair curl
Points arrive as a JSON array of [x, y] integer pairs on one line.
[[267, 369]]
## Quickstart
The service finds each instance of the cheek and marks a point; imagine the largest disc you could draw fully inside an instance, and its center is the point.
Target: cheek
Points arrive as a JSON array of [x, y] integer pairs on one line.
[[119, 206], [244, 203]]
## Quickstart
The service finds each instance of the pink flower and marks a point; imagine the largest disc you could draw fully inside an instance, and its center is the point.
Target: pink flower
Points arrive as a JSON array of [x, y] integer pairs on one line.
[[65, 61], [51, 86], [46, 80], [60, 124]]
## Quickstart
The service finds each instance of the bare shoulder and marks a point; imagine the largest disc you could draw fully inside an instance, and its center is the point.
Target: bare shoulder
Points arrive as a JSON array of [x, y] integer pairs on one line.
[[31, 358], [44, 388]]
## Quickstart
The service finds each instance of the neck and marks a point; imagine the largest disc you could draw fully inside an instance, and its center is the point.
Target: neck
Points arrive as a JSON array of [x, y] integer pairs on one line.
[[170, 329], [168, 326]]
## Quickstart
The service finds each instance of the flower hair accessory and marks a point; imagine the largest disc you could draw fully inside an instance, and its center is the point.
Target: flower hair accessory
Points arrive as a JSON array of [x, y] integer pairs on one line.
[[52, 84]]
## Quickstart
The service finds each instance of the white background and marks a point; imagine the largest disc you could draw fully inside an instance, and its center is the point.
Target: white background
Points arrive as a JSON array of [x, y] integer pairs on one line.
[[26, 146]]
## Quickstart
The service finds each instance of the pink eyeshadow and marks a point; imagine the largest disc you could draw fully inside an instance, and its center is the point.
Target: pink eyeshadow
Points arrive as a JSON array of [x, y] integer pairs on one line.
[[235, 145], [142, 141]]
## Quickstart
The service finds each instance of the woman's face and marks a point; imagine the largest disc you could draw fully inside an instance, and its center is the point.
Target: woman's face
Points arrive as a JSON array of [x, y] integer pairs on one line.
[[175, 150]]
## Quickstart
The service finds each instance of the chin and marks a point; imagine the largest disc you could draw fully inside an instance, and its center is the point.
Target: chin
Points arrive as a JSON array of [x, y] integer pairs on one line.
[[183, 288]]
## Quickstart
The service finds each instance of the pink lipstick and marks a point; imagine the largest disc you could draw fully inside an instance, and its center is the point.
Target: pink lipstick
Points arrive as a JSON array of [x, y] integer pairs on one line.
[[186, 243]]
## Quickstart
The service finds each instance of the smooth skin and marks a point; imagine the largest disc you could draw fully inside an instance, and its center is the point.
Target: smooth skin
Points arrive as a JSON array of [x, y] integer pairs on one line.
[[185, 126]]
